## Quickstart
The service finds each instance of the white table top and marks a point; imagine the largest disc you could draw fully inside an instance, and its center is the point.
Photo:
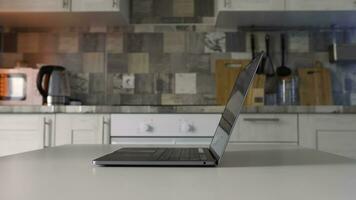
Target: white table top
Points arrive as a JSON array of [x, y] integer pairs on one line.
[[248, 173]]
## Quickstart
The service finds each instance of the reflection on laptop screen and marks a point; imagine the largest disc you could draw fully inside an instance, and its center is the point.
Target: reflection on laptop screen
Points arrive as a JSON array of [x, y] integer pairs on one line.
[[234, 106]]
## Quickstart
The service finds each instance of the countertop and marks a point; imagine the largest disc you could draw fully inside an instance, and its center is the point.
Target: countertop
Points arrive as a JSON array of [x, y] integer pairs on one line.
[[247, 172], [172, 109]]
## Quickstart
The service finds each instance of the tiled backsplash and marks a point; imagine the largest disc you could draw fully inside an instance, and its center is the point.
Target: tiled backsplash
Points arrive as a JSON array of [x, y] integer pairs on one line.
[[160, 63]]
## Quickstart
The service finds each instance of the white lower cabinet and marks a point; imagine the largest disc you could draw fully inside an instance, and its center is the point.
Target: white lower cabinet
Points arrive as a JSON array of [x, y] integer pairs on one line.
[[25, 132], [81, 129], [266, 128], [332, 133]]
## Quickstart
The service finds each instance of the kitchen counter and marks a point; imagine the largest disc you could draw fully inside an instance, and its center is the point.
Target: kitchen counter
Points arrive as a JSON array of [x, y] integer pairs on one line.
[[172, 109], [248, 172]]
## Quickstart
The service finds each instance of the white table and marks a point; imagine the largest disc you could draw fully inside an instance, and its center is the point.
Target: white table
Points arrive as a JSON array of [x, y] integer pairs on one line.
[[248, 173]]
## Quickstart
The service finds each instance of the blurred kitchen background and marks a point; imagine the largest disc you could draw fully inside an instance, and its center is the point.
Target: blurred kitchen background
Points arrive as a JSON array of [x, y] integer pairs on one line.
[[168, 56]]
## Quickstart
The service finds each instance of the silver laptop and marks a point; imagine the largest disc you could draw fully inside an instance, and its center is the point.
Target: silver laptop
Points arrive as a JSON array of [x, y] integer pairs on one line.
[[194, 156]]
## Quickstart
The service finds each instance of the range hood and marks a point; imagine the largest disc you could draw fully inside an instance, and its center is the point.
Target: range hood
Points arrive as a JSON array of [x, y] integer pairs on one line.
[[230, 19]]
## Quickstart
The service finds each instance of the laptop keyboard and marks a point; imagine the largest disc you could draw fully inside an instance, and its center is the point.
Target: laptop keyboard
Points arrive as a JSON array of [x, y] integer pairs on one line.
[[185, 154]]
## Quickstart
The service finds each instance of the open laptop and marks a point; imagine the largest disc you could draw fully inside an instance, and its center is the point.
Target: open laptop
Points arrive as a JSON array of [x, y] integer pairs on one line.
[[191, 156]]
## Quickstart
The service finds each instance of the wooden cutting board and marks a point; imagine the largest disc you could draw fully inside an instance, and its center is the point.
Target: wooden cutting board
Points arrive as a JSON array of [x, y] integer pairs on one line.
[[226, 72], [315, 86]]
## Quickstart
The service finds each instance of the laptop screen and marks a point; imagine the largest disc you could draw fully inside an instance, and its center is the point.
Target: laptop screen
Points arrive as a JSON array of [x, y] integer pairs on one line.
[[234, 106]]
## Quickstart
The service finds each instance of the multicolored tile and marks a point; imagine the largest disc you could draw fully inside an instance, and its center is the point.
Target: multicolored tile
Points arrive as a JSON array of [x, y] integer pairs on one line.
[[79, 83], [152, 42], [48, 42], [68, 42], [195, 42], [9, 60], [92, 42], [206, 84], [235, 42], [298, 42], [72, 62], [199, 63], [160, 63], [163, 8], [138, 63], [144, 28], [164, 83], [183, 8], [144, 83], [116, 87], [179, 62], [115, 42], [96, 83], [140, 99], [117, 63], [142, 8], [37, 60], [93, 62], [134, 42], [28, 42], [174, 42], [187, 99], [215, 42], [185, 83], [10, 42], [204, 7], [114, 99]]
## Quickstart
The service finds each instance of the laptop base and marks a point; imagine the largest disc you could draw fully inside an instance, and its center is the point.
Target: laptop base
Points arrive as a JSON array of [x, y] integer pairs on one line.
[[158, 157]]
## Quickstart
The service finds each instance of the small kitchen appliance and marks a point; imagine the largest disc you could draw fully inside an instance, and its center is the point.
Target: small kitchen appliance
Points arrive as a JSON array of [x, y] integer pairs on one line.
[[18, 87], [53, 85], [192, 156]]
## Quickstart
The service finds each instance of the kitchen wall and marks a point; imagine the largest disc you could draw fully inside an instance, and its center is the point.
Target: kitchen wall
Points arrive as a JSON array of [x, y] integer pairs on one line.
[[166, 58]]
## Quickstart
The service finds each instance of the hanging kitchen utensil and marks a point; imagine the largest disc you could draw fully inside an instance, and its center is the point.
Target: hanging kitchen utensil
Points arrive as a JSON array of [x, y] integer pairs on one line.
[[253, 50], [271, 78], [283, 70]]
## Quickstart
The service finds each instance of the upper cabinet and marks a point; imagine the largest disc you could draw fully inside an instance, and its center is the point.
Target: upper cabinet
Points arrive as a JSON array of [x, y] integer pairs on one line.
[[251, 5], [320, 5], [34, 6], [96, 5], [25, 13]]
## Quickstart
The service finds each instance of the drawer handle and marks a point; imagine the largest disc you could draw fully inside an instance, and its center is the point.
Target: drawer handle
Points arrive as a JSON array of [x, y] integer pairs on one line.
[[262, 119]]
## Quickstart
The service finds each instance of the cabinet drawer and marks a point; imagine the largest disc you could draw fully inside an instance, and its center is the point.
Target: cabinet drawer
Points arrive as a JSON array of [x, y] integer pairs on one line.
[[20, 122], [84, 122], [165, 125], [266, 128]]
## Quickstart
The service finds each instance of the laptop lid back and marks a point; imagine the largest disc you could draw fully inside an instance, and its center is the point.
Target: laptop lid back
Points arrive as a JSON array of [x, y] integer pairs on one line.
[[233, 107]]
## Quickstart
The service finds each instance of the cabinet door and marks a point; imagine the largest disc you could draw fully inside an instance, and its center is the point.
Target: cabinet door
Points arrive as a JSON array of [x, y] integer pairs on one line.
[[266, 128], [21, 133], [330, 133], [252, 4], [34, 5], [81, 129], [320, 5], [95, 5]]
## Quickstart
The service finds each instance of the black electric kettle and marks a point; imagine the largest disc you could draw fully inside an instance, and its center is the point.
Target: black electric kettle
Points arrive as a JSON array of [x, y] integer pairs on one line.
[[53, 85]]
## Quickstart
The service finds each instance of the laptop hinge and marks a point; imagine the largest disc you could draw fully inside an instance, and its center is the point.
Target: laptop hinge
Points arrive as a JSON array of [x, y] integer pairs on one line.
[[215, 156]]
